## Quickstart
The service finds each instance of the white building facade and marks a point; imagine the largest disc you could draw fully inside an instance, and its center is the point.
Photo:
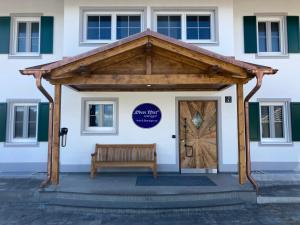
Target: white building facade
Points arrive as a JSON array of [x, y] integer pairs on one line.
[[260, 32]]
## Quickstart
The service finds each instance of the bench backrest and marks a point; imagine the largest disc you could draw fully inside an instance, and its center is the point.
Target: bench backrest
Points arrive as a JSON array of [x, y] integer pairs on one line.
[[125, 153]]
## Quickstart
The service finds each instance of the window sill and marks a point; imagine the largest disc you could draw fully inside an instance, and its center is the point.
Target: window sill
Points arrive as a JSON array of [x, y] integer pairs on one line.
[[273, 143], [21, 144], [98, 133], [198, 42], [271, 56], [24, 56]]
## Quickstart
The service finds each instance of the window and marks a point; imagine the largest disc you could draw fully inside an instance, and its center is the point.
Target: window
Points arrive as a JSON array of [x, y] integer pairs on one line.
[[193, 27], [22, 124], [128, 25], [104, 27], [98, 27], [169, 25], [26, 38], [274, 122], [100, 116], [271, 36]]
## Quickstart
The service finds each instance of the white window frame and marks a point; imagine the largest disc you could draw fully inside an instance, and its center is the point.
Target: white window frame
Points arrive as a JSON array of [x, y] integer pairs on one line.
[[286, 123], [283, 35], [11, 123], [113, 15], [14, 41], [183, 15], [86, 129]]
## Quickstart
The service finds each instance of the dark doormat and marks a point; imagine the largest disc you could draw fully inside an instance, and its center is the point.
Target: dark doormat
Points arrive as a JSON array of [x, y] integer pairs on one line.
[[174, 181]]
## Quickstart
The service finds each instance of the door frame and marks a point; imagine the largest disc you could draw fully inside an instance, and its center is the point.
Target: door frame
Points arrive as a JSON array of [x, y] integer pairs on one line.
[[218, 99]]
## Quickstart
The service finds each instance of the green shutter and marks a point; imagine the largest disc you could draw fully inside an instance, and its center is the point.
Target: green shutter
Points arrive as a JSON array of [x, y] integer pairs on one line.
[[43, 121], [295, 120], [47, 34], [4, 34], [254, 121], [3, 111], [293, 34], [250, 37]]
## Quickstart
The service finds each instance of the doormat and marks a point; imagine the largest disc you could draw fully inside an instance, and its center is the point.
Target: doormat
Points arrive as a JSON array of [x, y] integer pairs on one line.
[[174, 181]]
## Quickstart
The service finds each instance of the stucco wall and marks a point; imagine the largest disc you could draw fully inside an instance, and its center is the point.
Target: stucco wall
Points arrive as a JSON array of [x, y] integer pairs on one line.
[[66, 43], [285, 84]]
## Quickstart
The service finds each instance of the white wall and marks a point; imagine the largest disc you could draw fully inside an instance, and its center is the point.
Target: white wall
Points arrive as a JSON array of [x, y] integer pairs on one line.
[[285, 84], [225, 19], [15, 86], [230, 26], [79, 147]]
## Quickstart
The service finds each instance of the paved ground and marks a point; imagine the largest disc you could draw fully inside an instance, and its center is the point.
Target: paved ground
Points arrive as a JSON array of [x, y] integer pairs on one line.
[[22, 210], [24, 214]]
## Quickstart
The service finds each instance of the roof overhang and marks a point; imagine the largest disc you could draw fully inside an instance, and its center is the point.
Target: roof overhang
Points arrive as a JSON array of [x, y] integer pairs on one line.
[[148, 61]]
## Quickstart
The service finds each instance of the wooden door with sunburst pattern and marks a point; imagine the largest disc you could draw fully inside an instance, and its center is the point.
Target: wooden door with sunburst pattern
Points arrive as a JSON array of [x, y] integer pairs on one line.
[[198, 134]]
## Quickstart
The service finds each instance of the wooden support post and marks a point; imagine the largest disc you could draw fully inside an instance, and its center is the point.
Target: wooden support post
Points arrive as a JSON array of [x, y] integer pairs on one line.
[[56, 137], [241, 132]]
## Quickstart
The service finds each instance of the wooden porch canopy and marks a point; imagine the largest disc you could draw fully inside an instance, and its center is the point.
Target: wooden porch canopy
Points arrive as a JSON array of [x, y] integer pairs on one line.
[[148, 58], [147, 61]]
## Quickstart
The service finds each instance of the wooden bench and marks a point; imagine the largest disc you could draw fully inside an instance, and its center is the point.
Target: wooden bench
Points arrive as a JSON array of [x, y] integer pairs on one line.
[[127, 155]]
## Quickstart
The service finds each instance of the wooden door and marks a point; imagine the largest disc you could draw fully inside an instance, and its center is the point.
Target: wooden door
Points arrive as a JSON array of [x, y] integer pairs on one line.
[[198, 134]]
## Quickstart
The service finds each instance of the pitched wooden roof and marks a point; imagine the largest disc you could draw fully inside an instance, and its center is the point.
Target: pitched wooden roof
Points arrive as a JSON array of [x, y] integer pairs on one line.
[[144, 54]]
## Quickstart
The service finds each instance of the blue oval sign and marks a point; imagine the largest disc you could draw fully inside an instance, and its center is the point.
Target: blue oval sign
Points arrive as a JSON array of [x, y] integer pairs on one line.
[[146, 115]]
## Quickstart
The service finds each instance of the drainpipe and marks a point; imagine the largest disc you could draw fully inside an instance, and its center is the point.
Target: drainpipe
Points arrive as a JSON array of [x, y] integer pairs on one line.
[[259, 77], [38, 78]]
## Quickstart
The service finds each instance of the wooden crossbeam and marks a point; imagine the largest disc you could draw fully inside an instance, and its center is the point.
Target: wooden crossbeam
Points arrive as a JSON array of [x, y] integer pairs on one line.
[[161, 79]]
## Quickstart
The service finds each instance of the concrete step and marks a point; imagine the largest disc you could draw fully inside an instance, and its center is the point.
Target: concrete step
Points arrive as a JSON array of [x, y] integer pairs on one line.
[[177, 201]]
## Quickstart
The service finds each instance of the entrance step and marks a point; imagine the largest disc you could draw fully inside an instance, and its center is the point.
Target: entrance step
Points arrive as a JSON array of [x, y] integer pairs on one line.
[[161, 201]]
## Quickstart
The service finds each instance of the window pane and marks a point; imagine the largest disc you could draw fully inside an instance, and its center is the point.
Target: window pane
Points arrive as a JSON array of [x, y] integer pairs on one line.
[[32, 118], [93, 21], [135, 21], [108, 116], [262, 36], [122, 21], [105, 33], [278, 120], [163, 31], [93, 27], [192, 21], [265, 121], [93, 33], [275, 37], [134, 31], [19, 122], [192, 33], [204, 27], [94, 115], [175, 21], [21, 38], [105, 21], [162, 21], [204, 34], [122, 33], [35, 37], [175, 33]]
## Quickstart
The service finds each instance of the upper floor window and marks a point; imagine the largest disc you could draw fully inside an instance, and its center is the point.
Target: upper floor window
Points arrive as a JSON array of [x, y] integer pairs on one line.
[[104, 27], [274, 122], [194, 27], [26, 36], [271, 35], [169, 25]]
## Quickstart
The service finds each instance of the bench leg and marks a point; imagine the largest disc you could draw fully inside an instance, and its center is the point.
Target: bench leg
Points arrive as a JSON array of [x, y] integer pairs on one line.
[[93, 171], [154, 169]]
